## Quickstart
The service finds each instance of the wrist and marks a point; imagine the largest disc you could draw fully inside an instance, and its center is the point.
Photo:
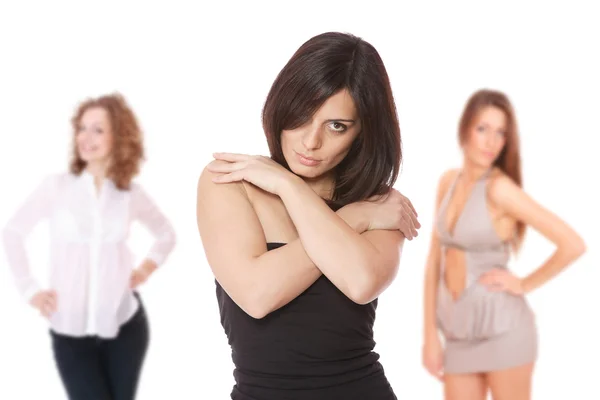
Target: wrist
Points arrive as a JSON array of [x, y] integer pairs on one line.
[[430, 327], [289, 185], [148, 267], [354, 215], [431, 334]]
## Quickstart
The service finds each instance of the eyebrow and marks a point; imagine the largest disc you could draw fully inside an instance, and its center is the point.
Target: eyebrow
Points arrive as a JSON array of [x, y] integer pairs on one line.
[[92, 125], [502, 128], [340, 120]]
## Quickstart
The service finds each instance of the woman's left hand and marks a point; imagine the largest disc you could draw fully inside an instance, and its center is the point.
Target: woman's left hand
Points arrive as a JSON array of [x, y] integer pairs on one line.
[[141, 274], [502, 280], [259, 170]]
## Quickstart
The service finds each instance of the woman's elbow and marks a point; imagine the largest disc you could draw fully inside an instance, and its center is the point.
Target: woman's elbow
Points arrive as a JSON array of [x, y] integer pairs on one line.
[[173, 240], [571, 248], [169, 239], [253, 302], [256, 312], [377, 277], [362, 297], [577, 247], [170, 232], [365, 289], [10, 236], [255, 308]]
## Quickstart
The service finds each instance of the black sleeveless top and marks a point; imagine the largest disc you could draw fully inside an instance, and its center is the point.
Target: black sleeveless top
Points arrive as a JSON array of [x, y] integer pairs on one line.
[[318, 347]]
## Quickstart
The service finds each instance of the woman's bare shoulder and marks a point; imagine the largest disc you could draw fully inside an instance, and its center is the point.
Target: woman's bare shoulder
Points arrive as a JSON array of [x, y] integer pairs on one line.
[[446, 179], [207, 187]]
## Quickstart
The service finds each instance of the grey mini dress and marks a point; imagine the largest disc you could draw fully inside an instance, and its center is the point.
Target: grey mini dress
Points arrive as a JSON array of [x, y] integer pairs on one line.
[[484, 331]]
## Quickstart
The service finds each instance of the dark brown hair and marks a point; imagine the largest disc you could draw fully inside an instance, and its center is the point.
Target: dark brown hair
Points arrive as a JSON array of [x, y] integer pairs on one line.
[[128, 149], [320, 68], [509, 160]]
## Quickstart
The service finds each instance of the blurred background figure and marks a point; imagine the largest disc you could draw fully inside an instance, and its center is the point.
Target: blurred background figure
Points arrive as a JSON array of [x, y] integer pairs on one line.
[[97, 321], [471, 296]]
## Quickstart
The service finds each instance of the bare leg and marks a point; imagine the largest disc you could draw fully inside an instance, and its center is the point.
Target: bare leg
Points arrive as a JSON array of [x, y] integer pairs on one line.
[[465, 387], [511, 384]]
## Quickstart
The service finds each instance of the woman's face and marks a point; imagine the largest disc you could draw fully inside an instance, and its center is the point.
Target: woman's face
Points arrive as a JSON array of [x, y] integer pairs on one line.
[[94, 136], [315, 148], [486, 137]]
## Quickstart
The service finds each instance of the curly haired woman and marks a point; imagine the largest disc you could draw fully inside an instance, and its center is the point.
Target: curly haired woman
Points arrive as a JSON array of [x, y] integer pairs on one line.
[[97, 321]]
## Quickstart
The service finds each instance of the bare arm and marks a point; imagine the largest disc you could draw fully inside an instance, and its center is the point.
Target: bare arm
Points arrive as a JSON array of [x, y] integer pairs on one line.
[[515, 202], [432, 268], [360, 266], [259, 281]]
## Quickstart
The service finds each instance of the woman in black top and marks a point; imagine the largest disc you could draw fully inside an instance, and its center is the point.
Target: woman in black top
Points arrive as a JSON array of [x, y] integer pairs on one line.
[[302, 243]]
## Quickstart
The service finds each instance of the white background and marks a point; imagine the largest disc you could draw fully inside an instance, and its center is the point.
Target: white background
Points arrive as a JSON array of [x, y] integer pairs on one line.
[[197, 76]]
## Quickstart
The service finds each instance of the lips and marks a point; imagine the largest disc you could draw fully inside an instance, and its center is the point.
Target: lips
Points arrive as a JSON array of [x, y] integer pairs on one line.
[[488, 154], [87, 148], [307, 158], [307, 161]]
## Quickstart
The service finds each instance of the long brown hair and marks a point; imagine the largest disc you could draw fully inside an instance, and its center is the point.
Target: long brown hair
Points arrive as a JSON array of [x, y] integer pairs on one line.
[[321, 67], [128, 149], [509, 160]]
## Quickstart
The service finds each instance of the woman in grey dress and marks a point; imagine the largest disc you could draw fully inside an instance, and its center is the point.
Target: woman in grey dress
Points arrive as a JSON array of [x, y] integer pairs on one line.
[[471, 296]]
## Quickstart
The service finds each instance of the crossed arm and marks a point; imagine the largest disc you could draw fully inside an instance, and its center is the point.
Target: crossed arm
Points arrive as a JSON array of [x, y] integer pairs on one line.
[[361, 263]]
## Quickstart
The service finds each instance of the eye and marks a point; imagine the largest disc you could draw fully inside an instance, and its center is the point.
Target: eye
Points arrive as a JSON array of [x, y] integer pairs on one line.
[[337, 127], [480, 128]]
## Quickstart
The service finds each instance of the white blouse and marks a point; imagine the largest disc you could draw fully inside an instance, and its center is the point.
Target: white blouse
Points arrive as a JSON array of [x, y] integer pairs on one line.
[[90, 262]]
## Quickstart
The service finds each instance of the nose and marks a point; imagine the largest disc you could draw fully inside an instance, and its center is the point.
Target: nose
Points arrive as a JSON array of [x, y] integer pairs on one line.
[[491, 139], [312, 138], [83, 136]]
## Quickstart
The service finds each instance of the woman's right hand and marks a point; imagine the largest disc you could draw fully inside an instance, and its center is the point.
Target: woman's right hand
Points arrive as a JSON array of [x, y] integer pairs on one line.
[[45, 302], [433, 357], [393, 211], [260, 171]]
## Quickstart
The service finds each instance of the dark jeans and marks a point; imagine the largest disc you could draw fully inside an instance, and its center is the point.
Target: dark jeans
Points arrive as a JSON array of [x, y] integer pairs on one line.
[[93, 368]]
